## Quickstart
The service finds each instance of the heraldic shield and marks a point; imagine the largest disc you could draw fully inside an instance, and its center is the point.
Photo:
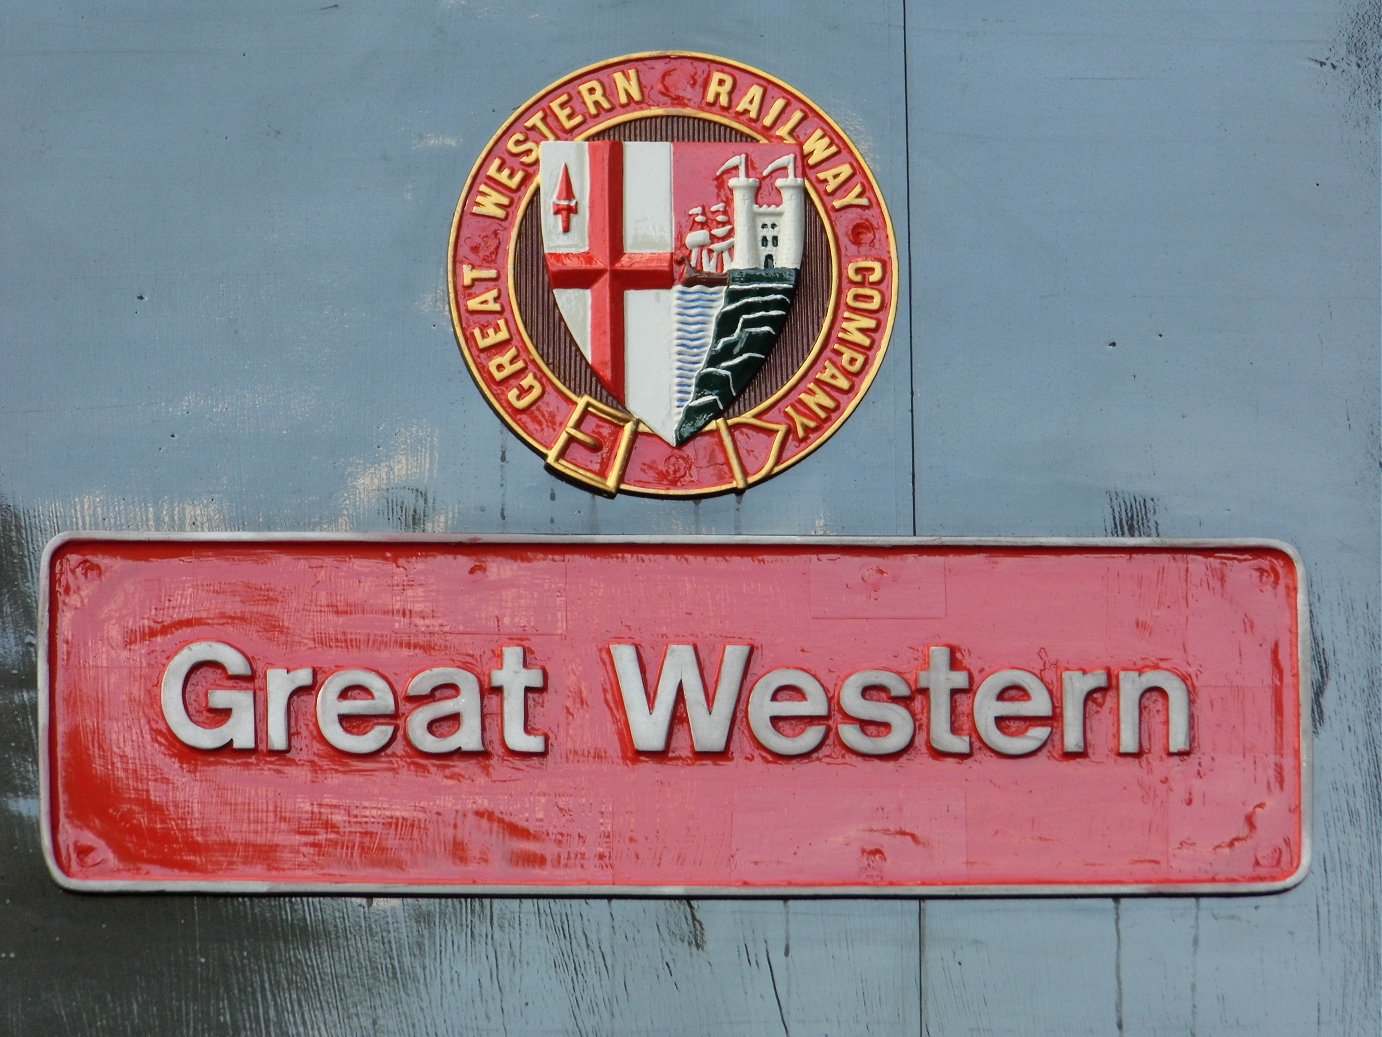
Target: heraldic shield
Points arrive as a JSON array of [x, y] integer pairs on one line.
[[674, 266]]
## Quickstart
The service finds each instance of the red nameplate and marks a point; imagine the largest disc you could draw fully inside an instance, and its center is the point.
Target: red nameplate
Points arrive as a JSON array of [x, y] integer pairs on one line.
[[593, 716]]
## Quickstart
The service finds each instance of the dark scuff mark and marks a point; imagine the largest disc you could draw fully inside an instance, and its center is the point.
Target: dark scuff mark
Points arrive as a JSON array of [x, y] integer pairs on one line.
[[782, 1017], [697, 931], [407, 509], [1362, 47], [1319, 673], [1131, 515], [21, 544], [1195, 972], [1118, 963], [683, 926], [18, 604], [922, 1028], [1354, 65], [503, 480]]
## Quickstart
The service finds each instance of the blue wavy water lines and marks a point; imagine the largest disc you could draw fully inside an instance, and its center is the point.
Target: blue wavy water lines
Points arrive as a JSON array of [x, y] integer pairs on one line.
[[694, 308]]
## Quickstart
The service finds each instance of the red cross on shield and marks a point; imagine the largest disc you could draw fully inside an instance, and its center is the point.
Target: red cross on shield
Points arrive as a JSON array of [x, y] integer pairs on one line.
[[611, 264]]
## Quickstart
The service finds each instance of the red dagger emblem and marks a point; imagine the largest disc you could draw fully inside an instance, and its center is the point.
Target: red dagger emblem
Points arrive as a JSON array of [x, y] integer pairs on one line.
[[564, 204]]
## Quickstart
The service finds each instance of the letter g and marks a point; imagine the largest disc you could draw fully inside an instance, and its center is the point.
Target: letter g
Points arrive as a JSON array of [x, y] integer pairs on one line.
[[238, 730]]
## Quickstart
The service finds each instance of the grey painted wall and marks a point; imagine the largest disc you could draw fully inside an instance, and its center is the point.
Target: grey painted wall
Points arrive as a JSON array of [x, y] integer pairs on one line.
[[1144, 298]]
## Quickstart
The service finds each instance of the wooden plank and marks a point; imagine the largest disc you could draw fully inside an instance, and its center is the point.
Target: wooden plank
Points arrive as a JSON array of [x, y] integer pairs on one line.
[[1048, 967], [1151, 257], [228, 311]]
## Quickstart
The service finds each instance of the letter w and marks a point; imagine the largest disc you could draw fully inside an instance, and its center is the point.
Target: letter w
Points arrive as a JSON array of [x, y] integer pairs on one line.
[[681, 675]]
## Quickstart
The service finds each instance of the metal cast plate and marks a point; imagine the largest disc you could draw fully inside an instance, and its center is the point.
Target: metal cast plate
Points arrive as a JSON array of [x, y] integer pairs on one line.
[[482, 715]]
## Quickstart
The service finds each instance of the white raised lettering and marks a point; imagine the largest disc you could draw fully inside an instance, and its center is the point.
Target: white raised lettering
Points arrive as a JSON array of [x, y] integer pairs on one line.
[[464, 705], [1076, 687], [238, 729], [764, 709], [282, 683], [650, 728], [331, 707], [940, 681], [515, 678], [901, 726], [1131, 687], [989, 709]]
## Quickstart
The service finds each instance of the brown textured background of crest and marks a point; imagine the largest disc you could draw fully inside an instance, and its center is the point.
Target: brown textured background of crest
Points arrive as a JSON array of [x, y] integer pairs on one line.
[[554, 343]]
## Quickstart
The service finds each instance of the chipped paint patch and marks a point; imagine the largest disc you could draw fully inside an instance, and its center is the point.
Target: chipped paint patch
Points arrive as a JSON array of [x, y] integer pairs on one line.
[[437, 140]]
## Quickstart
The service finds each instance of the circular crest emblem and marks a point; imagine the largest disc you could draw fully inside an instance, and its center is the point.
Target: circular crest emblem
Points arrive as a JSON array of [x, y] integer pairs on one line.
[[672, 274]]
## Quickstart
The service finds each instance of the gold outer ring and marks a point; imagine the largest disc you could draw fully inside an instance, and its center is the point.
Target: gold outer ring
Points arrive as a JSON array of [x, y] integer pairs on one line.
[[522, 200]]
